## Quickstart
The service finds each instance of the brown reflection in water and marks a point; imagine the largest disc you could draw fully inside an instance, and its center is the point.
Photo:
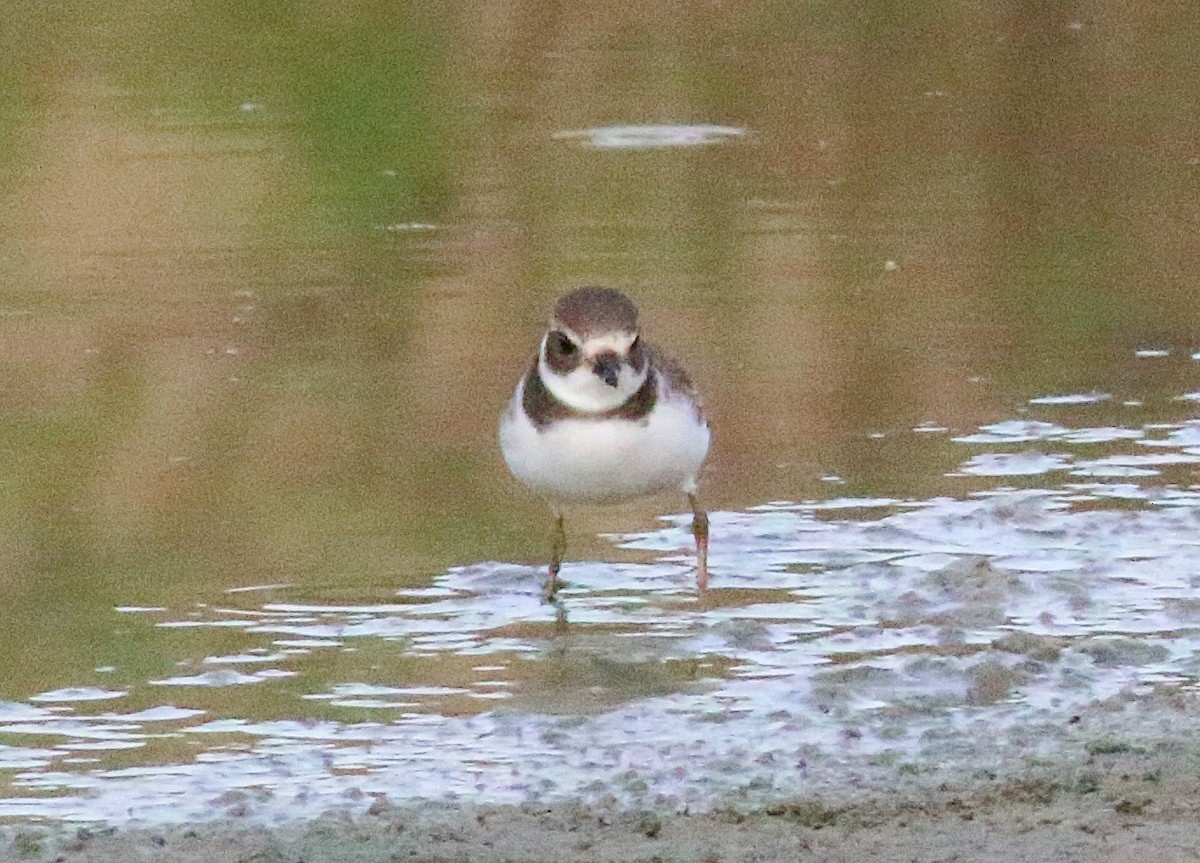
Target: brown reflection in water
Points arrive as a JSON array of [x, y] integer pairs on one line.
[[138, 304]]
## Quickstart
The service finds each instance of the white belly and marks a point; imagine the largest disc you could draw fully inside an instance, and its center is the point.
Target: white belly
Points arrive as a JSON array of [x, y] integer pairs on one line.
[[610, 460]]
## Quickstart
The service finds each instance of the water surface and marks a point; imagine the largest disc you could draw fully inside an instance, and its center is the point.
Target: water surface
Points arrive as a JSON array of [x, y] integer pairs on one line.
[[269, 276]]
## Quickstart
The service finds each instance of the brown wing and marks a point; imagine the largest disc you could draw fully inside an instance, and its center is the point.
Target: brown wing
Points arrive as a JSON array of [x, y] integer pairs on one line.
[[675, 377]]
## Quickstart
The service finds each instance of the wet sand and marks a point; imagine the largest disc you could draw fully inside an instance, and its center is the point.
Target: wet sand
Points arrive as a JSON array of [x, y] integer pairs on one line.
[[1113, 798]]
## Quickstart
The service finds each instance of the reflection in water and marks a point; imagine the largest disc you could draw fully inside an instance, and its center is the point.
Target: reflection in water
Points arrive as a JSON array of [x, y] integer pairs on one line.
[[264, 278]]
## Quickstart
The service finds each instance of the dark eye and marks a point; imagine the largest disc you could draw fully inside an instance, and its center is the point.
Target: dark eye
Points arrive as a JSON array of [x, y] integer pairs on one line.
[[635, 344], [562, 344]]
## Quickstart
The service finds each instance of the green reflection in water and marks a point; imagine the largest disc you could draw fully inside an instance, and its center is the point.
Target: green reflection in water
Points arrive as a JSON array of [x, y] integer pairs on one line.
[[377, 111], [362, 95]]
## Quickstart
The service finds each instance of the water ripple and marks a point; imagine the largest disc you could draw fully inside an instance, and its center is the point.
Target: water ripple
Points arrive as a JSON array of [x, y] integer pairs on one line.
[[889, 625]]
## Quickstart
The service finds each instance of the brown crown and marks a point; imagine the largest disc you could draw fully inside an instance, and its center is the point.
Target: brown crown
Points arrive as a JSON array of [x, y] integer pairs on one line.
[[591, 311]]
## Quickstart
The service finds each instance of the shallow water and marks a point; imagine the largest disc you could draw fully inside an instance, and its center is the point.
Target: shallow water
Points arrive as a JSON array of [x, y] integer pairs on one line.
[[269, 279], [884, 631]]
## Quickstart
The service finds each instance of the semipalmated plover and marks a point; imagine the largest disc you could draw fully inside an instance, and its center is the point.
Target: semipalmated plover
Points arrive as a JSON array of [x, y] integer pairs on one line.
[[601, 417]]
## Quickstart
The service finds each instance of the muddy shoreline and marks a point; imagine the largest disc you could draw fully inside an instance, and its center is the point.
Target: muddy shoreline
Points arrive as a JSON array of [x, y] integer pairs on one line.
[[1114, 798]]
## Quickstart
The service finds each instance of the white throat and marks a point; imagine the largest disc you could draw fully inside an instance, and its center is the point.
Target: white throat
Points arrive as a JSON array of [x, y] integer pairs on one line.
[[582, 389]]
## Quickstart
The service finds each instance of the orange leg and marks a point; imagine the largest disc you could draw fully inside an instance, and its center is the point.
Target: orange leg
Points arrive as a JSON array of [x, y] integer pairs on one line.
[[557, 550], [700, 532]]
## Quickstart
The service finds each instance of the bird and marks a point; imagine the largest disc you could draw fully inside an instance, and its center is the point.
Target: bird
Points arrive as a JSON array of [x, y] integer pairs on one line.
[[601, 417]]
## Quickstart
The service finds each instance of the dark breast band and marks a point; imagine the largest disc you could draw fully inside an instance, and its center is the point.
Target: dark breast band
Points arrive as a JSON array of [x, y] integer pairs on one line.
[[543, 408]]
